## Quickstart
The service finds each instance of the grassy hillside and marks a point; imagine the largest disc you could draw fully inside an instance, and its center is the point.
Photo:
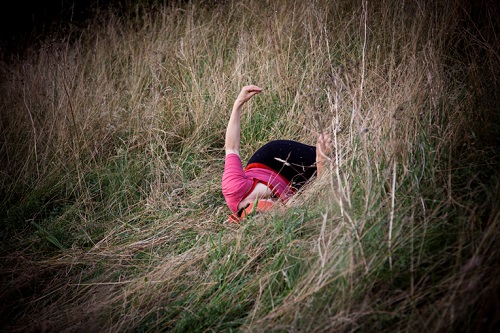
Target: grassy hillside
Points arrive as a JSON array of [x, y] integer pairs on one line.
[[112, 147]]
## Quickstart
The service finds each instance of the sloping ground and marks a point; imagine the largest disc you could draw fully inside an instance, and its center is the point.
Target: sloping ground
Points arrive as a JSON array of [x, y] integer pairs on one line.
[[112, 154]]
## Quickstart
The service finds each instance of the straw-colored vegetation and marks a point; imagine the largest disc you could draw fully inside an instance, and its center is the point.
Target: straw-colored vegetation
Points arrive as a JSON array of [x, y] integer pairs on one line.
[[111, 148]]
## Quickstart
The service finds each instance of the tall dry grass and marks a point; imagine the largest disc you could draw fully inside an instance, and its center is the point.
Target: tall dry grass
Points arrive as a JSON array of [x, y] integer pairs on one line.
[[112, 153]]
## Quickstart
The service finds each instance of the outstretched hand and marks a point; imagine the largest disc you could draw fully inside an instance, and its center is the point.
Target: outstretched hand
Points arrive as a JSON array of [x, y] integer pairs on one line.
[[233, 127], [246, 93]]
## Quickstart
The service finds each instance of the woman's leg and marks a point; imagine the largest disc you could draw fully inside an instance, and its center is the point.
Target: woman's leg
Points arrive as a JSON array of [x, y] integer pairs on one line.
[[293, 160]]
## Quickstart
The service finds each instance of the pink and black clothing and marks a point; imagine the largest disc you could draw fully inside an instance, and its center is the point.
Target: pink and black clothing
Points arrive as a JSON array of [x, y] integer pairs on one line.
[[282, 165]]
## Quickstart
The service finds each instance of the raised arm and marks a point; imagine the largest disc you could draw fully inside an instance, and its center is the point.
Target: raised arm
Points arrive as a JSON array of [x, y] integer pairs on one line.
[[233, 127]]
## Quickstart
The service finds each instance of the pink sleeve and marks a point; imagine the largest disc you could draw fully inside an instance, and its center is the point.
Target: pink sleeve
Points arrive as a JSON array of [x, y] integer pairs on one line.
[[235, 184]]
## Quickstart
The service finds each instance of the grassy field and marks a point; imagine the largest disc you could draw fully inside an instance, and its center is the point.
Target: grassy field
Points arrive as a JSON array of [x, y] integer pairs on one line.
[[112, 151]]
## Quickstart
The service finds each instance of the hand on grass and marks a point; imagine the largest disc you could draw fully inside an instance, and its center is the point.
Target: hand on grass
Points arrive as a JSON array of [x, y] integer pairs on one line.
[[324, 146], [323, 150]]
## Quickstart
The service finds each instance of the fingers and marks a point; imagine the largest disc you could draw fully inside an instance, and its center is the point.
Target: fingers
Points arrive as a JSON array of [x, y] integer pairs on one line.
[[251, 88], [248, 92], [324, 145], [326, 138]]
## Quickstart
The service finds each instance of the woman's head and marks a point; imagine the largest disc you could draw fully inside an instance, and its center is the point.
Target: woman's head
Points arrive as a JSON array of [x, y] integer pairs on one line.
[[257, 206]]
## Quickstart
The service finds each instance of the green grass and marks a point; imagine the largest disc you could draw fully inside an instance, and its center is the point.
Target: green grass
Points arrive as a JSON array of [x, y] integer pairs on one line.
[[111, 145]]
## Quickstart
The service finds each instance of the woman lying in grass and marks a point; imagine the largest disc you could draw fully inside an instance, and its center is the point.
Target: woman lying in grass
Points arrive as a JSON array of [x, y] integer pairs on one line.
[[275, 172]]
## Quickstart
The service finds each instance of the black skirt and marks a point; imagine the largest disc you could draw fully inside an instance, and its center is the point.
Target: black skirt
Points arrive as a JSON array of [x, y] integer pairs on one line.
[[293, 160]]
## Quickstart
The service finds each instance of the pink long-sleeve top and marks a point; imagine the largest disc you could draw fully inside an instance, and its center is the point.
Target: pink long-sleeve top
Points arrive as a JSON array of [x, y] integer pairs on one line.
[[238, 183]]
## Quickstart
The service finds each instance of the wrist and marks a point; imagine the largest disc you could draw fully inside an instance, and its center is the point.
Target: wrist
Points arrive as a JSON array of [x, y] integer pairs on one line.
[[238, 104]]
